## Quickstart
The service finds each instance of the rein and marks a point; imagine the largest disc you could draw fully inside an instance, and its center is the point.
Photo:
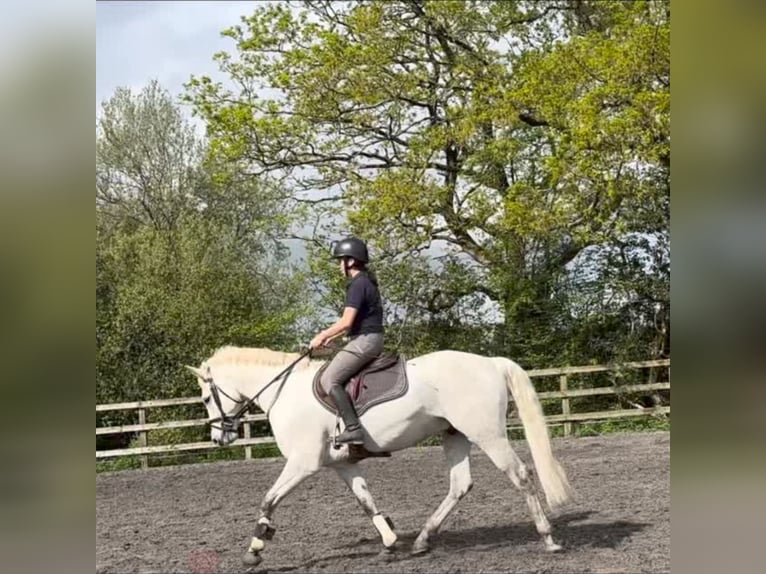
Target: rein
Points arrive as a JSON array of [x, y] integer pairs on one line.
[[230, 423]]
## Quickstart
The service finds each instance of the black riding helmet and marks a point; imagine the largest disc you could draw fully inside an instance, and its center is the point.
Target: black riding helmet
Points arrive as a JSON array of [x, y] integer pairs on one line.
[[351, 247]]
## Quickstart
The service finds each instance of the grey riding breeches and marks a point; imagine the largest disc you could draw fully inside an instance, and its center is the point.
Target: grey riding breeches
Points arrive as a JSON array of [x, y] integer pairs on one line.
[[357, 353]]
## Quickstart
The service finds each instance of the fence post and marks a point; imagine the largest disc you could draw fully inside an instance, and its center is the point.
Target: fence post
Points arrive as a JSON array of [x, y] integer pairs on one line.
[[248, 449], [565, 405], [142, 439]]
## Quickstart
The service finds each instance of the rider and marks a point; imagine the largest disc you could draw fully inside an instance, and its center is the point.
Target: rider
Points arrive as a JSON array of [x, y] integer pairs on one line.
[[362, 319]]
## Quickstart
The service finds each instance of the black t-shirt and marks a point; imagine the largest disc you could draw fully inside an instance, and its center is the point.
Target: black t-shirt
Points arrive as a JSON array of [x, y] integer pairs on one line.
[[363, 295]]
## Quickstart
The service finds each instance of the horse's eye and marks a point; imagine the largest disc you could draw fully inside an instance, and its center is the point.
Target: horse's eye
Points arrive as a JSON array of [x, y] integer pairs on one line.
[[206, 400]]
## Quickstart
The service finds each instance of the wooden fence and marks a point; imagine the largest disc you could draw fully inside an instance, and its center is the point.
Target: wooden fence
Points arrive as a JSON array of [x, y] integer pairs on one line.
[[564, 394]]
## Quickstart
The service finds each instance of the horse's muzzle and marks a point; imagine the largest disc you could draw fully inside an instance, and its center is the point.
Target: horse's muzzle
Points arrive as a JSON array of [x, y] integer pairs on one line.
[[225, 439]]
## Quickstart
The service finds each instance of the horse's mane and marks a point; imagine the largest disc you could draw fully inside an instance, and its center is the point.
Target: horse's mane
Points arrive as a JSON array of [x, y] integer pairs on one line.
[[252, 356]]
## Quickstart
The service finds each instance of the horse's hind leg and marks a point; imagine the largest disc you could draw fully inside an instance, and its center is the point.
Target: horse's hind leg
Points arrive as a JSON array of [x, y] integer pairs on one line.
[[457, 449], [353, 476], [500, 452]]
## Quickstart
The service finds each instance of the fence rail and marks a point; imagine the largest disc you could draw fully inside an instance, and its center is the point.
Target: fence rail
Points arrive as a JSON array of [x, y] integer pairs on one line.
[[564, 394]]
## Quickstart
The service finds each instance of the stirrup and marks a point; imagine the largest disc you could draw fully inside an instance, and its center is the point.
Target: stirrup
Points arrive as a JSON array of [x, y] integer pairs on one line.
[[339, 445], [357, 442], [334, 439]]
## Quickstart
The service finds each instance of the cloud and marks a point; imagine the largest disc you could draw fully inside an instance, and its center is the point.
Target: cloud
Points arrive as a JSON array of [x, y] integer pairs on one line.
[[166, 41]]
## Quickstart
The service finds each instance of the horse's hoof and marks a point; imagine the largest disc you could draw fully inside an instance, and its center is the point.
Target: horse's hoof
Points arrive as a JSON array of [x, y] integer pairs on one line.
[[552, 547], [252, 558], [420, 548]]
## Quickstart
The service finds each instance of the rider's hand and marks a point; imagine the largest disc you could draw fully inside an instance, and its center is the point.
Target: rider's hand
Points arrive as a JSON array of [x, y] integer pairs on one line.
[[317, 342]]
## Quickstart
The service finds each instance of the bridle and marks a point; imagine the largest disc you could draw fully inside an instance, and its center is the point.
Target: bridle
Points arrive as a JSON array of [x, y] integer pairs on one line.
[[230, 422]]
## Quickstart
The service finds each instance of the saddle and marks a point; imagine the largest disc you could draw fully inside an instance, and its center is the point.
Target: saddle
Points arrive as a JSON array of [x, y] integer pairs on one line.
[[383, 379]]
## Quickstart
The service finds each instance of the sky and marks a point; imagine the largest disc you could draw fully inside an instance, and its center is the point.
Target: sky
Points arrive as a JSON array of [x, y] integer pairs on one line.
[[167, 41]]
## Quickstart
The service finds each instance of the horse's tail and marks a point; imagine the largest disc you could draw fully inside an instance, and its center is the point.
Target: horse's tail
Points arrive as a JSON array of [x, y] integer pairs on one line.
[[552, 477]]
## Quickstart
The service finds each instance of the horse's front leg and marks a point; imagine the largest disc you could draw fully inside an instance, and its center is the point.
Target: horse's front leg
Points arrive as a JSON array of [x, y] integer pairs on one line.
[[291, 476], [354, 478]]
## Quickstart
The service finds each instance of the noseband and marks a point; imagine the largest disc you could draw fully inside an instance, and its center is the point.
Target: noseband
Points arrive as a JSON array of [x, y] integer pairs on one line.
[[230, 422]]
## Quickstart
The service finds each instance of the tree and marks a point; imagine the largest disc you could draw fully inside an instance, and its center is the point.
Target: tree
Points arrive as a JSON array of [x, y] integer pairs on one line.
[[508, 136], [186, 253], [147, 159]]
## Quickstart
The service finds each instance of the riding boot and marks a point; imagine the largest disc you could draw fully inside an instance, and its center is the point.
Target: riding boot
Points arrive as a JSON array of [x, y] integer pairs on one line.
[[353, 434]]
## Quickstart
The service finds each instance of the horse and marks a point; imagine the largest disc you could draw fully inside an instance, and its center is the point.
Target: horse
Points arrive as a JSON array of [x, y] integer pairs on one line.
[[459, 395]]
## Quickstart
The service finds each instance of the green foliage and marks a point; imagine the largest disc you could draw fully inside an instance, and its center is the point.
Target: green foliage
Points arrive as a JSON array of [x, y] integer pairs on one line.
[[187, 254], [172, 299], [118, 464]]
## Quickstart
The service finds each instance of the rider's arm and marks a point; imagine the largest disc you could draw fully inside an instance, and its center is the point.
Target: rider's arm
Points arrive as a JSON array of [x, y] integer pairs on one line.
[[341, 325], [355, 297]]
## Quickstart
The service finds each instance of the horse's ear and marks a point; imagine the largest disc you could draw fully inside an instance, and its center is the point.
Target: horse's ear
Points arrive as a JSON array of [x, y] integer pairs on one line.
[[199, 373]]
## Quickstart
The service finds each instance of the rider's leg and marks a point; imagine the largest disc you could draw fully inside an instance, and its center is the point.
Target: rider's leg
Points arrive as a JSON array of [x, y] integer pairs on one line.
[[348, 362], [353, 433]]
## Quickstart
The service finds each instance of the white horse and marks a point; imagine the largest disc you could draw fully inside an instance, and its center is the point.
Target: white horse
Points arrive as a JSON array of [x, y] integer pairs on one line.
[[460, 395]]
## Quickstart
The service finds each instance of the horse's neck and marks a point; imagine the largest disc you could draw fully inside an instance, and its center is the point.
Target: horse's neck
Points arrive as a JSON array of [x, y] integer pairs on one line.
[[252, 380], [259, 380]]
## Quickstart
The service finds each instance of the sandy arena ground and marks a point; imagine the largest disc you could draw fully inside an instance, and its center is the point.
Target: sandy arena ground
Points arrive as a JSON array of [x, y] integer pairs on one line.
[[199, 518]]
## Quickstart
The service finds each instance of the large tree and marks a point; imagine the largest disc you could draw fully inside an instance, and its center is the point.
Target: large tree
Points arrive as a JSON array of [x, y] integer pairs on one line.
[[506, 137], [186, 256]]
